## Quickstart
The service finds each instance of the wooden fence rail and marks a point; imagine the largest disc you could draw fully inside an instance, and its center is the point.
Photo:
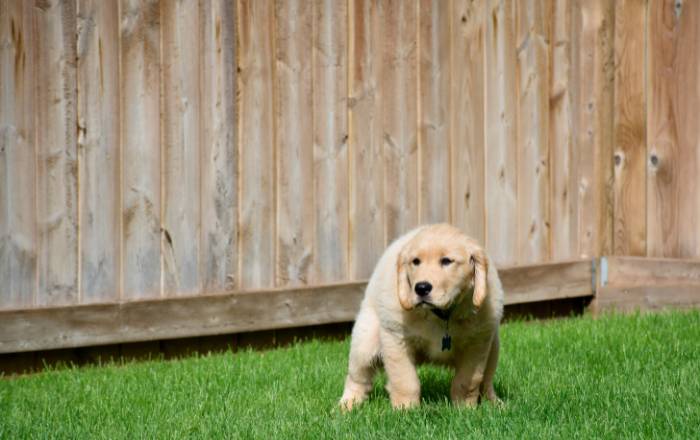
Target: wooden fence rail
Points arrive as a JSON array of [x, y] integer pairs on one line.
[[155, 149]]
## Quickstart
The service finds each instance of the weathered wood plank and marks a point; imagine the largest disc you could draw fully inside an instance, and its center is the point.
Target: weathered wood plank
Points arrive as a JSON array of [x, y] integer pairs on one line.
[[532, 78], [18, 241], [630, 129], [141, 149], [641, 271], [593, 115], [646, 298], [294, 141], [219, 153], [434, 110], [330, 130], [256, 143], [177, 317], [500, 133], [673, 87], [366, 237], [564, 188], [467, 117], [399, 116], [181, 136], [57, 161], [132, 321], [98, 149], [543, 282]]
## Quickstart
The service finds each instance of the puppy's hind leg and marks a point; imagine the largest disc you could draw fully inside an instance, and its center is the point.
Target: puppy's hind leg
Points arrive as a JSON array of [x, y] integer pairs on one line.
[[364, 353]]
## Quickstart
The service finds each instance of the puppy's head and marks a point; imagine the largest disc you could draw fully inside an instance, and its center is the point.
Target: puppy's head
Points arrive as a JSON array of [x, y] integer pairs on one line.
[[439, 265]]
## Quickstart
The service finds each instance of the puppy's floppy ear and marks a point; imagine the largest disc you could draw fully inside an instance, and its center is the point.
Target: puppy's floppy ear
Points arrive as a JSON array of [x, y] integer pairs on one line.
[[480, 263], [403, 284]]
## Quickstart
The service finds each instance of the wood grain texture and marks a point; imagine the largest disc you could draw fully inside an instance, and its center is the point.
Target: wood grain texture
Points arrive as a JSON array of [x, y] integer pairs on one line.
[[180, 177], [467, 117], [294, 141], [219, 153], [544, 282], [366, 238], [256, 24], [99, 324], [532, 79], [500, 133], [563, 167], [330, 131], [57, 158], [673, 87], [593, 63], [629, 159], [641, 271], [141, 148], [134, 321], [646, 298], [399, 116], [99, 149], [18, 235], [434, 81]]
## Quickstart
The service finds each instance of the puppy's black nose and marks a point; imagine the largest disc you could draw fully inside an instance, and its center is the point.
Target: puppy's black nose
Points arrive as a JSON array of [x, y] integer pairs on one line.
[[423, 288]]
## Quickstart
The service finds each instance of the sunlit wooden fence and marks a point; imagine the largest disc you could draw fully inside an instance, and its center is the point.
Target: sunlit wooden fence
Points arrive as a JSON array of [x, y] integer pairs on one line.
[[152, 150]]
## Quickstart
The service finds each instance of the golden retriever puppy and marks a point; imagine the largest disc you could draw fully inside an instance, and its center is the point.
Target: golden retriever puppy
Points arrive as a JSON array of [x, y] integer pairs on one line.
[[434, 297]]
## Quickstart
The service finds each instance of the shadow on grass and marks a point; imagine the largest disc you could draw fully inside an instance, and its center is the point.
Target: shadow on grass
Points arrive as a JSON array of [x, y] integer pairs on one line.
[[435, 386]]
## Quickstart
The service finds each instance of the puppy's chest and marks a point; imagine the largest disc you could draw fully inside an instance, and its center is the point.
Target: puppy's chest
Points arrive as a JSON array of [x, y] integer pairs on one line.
[[436, 341]]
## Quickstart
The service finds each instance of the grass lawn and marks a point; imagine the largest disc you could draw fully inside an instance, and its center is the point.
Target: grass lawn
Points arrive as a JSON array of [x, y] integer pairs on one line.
[[614, 377]]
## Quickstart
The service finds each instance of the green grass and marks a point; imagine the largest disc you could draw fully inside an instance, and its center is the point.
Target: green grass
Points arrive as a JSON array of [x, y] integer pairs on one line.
[[615, 377]]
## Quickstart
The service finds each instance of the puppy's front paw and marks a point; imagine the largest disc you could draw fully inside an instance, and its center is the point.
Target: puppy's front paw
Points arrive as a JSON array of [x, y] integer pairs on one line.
[[404, 400], [349, 401]]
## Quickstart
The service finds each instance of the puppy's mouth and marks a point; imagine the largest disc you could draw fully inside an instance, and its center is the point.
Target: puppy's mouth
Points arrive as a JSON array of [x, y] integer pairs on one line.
[[432, 306], [426, 304]]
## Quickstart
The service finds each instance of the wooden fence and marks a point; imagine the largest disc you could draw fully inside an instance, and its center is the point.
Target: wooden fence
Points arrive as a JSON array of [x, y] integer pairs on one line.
[[183, 148]]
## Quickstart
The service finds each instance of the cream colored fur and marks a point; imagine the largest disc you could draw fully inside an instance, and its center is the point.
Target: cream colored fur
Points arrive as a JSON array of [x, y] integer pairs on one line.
[[394, 330]]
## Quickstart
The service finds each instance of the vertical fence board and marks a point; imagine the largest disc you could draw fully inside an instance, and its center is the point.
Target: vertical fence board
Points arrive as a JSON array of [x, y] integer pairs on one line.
[[593, 109], [467, 117], [256, 143], [98, 149], [629, 143], [365, 136], [180, 174], [399, 117], [219, 156], [294, 141], [674, 100], [532, 71], [330, 132], [141, 149], [57, 172], [500, 133], [17, 156], [562, 165], [434, 110]]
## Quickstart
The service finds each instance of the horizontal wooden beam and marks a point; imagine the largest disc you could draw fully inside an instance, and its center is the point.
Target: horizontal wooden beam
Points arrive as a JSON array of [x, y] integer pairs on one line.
[[646, 298], [544, 282], [641, 271], [99, 324]]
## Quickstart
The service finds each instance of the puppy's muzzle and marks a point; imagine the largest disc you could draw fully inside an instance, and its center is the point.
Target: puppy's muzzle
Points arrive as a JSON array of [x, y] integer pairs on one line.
[[423, 289]]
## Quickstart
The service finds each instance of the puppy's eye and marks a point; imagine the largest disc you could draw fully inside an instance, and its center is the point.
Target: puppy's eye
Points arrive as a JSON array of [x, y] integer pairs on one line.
[[416, 261], [444, 261]]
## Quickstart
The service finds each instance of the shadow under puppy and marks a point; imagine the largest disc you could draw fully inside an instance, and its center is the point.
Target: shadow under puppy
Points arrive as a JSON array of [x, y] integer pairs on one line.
[[433, 296]]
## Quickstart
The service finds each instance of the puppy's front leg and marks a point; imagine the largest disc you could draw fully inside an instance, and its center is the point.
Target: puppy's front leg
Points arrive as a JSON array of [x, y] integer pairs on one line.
[[469, 373], [404, 386]]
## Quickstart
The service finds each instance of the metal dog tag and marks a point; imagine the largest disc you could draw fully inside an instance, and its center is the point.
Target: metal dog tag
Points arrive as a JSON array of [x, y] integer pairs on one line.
[[446, 342]]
